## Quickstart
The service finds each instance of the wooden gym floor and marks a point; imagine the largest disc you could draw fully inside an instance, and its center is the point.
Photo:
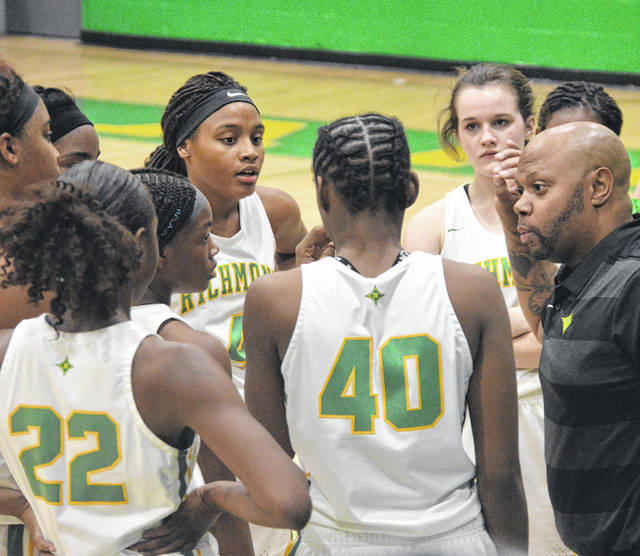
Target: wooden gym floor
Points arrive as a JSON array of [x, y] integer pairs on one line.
[[124, 92]]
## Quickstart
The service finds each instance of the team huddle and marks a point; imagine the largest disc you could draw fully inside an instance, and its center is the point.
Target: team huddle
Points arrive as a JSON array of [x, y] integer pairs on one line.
[[185, 369]]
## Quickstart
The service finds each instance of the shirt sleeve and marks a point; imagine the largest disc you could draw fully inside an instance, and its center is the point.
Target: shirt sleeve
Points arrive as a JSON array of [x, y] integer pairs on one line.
[[626, 321]]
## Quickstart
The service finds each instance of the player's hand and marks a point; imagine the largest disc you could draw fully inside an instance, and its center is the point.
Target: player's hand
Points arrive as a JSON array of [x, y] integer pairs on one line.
[[181, 531], [505, 187], [44, 547], [315, 245]]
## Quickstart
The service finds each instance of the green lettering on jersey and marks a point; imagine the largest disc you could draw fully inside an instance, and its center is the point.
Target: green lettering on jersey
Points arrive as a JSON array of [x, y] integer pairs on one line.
[[240, 275], [492, 266], [186, 303], [254, 271], [507, 274], [225, 279], [236, 341], [211, 293]]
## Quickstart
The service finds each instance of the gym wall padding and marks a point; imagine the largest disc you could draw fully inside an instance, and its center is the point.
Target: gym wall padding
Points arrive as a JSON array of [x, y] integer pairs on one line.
[[593, 35]]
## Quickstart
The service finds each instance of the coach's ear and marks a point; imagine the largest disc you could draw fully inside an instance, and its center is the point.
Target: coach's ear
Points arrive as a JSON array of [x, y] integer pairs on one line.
[[8, 149], [601, 185]]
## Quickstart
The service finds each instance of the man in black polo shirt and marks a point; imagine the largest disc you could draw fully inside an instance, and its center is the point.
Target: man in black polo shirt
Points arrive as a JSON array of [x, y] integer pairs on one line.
[[570, 205]]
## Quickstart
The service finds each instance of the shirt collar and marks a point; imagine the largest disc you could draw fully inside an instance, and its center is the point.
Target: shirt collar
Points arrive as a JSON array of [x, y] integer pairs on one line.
[[571, 281]]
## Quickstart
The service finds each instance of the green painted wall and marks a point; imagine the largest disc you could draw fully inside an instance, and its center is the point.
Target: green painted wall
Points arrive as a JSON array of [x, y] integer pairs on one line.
[[600, 35]]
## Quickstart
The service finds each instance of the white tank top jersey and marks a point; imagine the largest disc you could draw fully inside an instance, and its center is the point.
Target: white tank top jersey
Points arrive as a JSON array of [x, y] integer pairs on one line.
[[376, 374], [465, 240], [242, 258], [468, 242], [95, 475], [152, 316]]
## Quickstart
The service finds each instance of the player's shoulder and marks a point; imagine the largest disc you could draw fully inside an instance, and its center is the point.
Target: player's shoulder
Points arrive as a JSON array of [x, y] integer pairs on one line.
[[424, 229], [277, 203], [178, 331], [158, 354], [273, 300], [277, 285], [471, 288]]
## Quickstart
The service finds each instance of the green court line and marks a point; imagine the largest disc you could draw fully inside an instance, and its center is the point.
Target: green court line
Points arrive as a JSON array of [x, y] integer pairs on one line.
[[296, 144]]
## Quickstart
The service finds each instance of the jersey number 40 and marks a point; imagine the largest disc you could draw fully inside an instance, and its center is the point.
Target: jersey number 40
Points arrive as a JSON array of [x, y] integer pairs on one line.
[[411, 379]]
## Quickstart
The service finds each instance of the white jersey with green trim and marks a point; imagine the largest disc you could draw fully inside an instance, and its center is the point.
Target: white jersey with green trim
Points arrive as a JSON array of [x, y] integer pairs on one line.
[[467, 241], [152, 316], [376, 375], [242, 258], [95, 475]]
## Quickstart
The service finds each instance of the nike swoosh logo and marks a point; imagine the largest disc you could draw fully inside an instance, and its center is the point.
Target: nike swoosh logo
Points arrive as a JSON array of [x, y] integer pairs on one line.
[[230, 94], [455, 229]]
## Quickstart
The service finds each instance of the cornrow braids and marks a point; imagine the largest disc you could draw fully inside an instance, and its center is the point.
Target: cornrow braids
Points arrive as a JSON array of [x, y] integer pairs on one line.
[[589, 96], [480, 75], [165, 157], [173, 198], [367, 159], [11, 85], [121, 194], [55, 98], [63, 242]]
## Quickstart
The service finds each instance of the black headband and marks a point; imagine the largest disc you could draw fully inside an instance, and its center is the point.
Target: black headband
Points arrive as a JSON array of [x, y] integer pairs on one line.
[[66, 119], [207, 106], [23, 109]]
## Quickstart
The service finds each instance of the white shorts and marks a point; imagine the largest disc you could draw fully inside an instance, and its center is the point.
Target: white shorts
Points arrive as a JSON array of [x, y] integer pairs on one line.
[[544, 539], [470, 539], [268, 541]]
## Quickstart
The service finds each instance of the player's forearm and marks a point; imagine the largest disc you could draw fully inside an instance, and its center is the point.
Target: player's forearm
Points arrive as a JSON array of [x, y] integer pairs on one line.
[[526, 351], [289, 512], [533, 279], [505, 513], [232, 534], [12, 502]]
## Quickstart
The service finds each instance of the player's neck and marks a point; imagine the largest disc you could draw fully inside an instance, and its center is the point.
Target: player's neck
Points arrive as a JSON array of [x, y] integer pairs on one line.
[[157, 292], [71, 324], [371, 249], [482, 190]]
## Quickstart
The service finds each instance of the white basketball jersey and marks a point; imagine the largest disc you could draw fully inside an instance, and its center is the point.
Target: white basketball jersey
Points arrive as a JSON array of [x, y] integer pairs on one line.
[[93, 472], [242, 258], [152, 316], [376, 375], [465, 240]]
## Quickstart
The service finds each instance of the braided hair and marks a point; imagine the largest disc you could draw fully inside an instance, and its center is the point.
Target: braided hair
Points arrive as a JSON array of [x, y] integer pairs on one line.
[[121, 194], [173, 198], [588, 96], [480, 75], [64, 242], [367, 159], [54, 98], [11, 85], [166, 157]]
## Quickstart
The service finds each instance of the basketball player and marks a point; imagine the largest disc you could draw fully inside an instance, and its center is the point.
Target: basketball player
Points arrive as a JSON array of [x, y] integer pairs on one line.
[[212, 133], [186, 264], [72, 133], [127, 400], [491, 107], [361, 365]]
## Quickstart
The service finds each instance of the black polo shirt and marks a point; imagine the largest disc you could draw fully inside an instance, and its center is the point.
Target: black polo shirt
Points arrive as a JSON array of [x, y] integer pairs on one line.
[[590, 375]]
